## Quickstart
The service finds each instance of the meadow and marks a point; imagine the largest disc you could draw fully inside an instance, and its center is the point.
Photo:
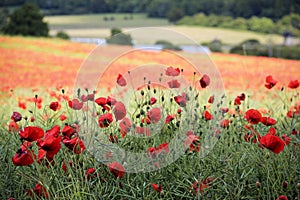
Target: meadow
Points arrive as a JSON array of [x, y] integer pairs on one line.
[[96, 26], [194, 143]]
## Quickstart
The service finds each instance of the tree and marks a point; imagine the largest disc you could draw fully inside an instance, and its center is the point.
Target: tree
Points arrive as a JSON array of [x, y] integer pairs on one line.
[[175, 14], [27, 20], [119, 38]]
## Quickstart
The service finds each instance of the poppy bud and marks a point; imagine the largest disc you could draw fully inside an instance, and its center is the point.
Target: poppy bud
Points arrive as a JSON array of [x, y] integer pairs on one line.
[[257, 184], [284, 184]]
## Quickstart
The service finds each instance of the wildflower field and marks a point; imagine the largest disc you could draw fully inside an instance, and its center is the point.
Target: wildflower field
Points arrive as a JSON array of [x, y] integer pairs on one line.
[[169, 132]]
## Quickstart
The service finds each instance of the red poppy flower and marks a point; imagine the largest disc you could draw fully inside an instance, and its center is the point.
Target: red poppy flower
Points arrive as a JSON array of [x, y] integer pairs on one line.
[[181, 99], [224, 123], [211, 99], [242, 97], [272, 142], [146, 120], [39, 190], [90, 173], [125, 126], [204, 81], [51, 142], [192, 141], [164, 147], [154, 115], [174, 84], [272, 131], [62, 117], [68, 131], [75, 144], [169, 118], [22, 105], [253, 116], [31, 133], [200, 186], [284, 184], [84, 98], [270, 82], [117, 169], [75, 104], [16, 117], [268, 121], [294, 132], [143, 131], [282, 197], [286, 139], [111, 101], [105, 120], [101, 101], [224, 110], [54, 106], [23, 156], [119, 110], [172, 71], [207, 115], [237, 101], [121, 80], [152, 100], [154, 151], [294, 84], [13, 126], [156, 187]]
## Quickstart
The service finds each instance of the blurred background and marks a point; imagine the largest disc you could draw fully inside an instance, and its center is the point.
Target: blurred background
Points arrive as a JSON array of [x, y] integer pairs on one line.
[[252, 27]]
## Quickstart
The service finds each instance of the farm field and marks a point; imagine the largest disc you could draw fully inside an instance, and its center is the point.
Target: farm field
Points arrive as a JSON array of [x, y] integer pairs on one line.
[[96, 27], [59, 61], [244, 145]]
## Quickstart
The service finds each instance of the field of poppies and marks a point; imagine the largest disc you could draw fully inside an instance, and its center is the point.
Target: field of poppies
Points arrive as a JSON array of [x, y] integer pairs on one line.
[[112, 122]]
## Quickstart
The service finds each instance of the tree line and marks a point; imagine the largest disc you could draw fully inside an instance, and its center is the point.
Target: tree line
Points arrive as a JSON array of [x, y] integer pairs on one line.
[[273, 9]]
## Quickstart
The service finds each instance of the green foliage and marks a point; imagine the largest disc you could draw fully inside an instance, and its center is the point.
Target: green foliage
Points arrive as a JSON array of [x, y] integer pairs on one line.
[[254, 48], [175, 14], [274, 9], [288, 52], [115, 31], [62, 35], [119, 38], [27, 20], [158, 8], [288, 23], [262, 25], [168, 45], [214, 46], [4, 12]]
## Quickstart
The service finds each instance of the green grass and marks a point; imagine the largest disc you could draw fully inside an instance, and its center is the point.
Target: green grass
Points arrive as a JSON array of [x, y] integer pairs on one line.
[[241, 170]]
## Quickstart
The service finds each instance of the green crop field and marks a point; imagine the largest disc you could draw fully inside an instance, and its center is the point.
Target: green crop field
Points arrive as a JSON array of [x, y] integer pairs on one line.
[[103, 21]]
